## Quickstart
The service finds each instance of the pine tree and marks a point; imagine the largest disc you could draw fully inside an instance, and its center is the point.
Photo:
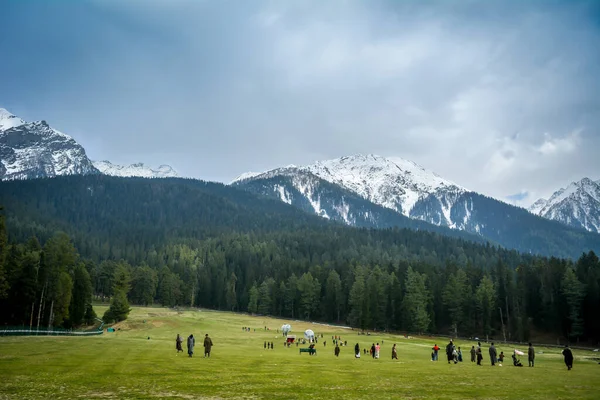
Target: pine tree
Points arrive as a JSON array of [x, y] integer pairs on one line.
[[414, 304], [358, 301], [253, 299], [455, 298], [485, 297], [309, 289], [265, 292], [334, 299], [230, 296], [81, 295], [118, 309], [574, 292]]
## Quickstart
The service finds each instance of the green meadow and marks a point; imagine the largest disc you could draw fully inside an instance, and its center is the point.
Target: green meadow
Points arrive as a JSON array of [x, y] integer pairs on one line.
[[127, 365]]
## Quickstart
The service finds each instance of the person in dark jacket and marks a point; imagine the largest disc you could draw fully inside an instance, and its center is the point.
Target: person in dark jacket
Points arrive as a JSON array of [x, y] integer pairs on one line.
[[394, 352], [568, 357], [178, 343], [373, 350], [208, 344], [473, 352], [337, 350], [493, 354], [479, 355], [449, 350], [531, 355], [191, 342]]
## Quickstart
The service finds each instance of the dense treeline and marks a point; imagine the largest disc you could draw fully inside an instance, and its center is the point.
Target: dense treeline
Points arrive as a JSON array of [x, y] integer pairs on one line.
[[185, 243], [43, 287]]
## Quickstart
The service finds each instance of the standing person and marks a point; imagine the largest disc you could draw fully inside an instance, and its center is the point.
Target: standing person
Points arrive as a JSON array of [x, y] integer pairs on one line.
[[272, 346], [178, 343], [207, 345], [459, 355], [356, 351], [377, 349], [435, 352], [568, 354], [337, 351], [394, 352], [493, 354], [479, 355], [449, 349], [190, 345], [265, 345], [531, 355], [373, 350], [473, 353]]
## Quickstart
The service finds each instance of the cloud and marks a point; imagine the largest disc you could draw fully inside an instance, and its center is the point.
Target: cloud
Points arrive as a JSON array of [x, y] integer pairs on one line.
[[567, 144], [501, 97]]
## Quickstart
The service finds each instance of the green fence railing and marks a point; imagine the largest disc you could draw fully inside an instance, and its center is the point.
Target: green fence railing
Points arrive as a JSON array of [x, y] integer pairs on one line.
[[26, 331]]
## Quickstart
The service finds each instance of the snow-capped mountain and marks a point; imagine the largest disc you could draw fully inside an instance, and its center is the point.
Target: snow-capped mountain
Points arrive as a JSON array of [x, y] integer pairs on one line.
[[138, 169], [577, 205], [393, 183], [35, 150], [378, 192]]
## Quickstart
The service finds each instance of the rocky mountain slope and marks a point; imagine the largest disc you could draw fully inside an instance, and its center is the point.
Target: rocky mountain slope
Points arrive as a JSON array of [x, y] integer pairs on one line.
[[393, 183], [36, 150], [373, 191], [138, 169], [577, 205]]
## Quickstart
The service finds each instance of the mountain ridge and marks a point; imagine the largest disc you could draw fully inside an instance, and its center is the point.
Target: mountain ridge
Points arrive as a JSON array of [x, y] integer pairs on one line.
[[37, 150], [137, 169], [576, 205]]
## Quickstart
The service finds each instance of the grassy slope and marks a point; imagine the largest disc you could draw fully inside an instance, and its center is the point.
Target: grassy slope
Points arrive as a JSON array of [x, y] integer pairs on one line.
[[126, 364]]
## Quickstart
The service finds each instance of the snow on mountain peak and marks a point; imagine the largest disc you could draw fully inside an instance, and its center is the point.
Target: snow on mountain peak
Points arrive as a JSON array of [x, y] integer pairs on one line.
[[577, 205], [8, 120], [394, 183], [136, 169]]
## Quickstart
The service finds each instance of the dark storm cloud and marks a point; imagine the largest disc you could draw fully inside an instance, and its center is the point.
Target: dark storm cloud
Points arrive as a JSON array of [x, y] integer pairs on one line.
[[501, 97]]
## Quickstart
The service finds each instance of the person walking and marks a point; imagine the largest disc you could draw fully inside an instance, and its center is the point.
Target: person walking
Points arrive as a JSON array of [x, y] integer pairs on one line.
[[191, 342], [531, 355], [394, 352], [337, 351], [473, 352], [449, 349], [460, 355], [377, 349], [435, 352], [178, 343], [373, 350], [357, 351], [479, 355], [493, 354], [568, 354], [208, 344]]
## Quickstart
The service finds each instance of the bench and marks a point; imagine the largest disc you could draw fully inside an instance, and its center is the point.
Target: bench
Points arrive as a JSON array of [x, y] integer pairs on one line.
[[309, 351]]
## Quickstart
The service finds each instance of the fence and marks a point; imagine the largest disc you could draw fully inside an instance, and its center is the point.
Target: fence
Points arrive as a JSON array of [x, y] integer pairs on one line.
[[26, 331]]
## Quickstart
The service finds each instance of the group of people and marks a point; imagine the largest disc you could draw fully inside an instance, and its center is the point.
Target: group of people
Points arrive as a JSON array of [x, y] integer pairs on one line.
[[268, 345], [191, 343], [454, 354]]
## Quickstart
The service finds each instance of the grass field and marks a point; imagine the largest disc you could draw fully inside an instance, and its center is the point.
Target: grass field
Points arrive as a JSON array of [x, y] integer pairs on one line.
[[126, 365]]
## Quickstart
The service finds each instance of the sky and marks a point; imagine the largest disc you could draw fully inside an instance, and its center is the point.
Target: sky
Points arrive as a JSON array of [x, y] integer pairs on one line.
[[501, 97]]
